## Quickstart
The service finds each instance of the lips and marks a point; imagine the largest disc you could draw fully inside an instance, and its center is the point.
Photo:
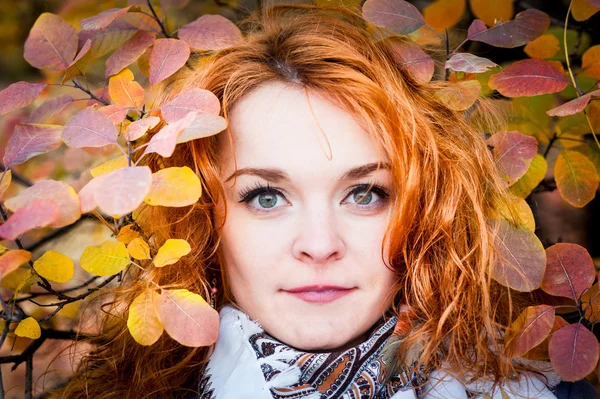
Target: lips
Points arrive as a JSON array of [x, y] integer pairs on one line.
[[320, 293]]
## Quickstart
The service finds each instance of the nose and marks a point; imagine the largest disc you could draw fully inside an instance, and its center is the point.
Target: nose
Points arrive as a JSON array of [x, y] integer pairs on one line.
[[319, 239]]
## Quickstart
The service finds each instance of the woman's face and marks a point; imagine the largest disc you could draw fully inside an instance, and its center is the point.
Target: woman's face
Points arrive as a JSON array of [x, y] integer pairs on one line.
[[304, 259]]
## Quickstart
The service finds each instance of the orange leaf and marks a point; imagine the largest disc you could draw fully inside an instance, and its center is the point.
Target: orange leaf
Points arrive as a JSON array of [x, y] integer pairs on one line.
[[125, 91], [582, 10], [11, 260], [545, 46], [576, 178], [459, 96], [590, 61], [492, 11], [444, 13]]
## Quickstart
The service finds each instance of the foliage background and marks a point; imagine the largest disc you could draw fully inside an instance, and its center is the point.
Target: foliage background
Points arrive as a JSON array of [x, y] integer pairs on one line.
[[556, 221]]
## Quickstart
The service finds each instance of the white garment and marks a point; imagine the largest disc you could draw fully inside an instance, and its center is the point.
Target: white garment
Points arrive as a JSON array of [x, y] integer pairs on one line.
[[235, 371]]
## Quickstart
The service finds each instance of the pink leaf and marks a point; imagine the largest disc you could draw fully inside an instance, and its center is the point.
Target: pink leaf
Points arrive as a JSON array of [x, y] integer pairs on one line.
[[397, 15], [50, 107], [528, 78], [103, 19], [173, 3], [52, 43], [60, 193], [167, 57], [19, 95], [193, 100], [203, 125], [187, 318], [594, 3], [117, 193], [29, 140], [573, 352], [513, 153], [138, 128], [569, 271], [79, 65], [470, 63], [529, 329], [39, 213], [527, 26], [211, 32], [414, 61], [164, 142], [574, 106], [11, 260], [129, 52], [116, 113], [89, 128]]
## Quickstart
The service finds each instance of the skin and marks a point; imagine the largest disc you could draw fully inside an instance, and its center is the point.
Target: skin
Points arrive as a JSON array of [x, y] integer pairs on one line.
[[317, 232]]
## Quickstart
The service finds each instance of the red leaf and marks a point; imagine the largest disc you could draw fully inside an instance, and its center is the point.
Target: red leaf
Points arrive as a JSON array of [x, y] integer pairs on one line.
[[50, 107], [60, 193], [89, 128], [466, 62], [513, 153], [573, 352], [129, 52], [19, 95], [193, 100], [397, 15], [167, 57], [528, 78], [39, 213], [52, 43], [116, 113], [529, 329], [574, 106], [414, 61], [103, 19], [522, 259], [164, 142], [29, 140], [211, 32], [569, 270], [527, 26]]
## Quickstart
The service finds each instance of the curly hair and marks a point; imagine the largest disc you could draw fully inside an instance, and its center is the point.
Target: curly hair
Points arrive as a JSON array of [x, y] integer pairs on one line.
[[447, 188]]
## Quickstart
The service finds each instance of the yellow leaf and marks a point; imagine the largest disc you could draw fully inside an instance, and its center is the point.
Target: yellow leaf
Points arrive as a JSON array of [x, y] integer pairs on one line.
[[492, 11], [126, 234], [444, 13], [138, 249], [142, 322], [11, 260], [171, 251], [70, 310], [110, 166], [582, 10], [3, 249], [125, 91], [530, 180], [5, 182], [55, 266], [523, 212], [174, 187], [545, 46], [105, 259], [590, 61], [28, 328], [17, 280], [459, 96], [576, 178]]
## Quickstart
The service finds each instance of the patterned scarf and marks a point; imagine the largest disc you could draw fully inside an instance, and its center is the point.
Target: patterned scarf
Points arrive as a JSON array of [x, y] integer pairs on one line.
[[287, 373]]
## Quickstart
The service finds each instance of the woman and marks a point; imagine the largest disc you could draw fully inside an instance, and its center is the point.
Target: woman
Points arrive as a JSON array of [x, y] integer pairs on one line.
[[343, 228]]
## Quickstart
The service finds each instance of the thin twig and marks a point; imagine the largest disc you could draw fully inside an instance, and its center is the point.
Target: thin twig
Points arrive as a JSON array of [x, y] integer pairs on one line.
[[160, 23]]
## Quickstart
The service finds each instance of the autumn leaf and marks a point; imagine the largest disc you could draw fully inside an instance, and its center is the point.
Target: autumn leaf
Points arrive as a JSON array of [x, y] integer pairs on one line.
[[211, 32], [466, 62], [187, 318], [105, 259], [492, 11], [110, 166], [138, 128], [164, 142], [79, 65], [28, 328], [89, 128], [39, 213], [11, 260], [590, 61], [51, 44], [5, 181], [574, 106], [129, 52], [127, 233], [191, 100], [29, 140], [139, 249], [576, 178], [459, 96], [125, 91], [55, 266], [174, 186], [513, 152], [116, 113], [532, 178], [582, 10], [19, 95], [569, 271], [142, 320], [397, 15], [413, 61], [103, 19], [50, 107], [171, 251], [573, 352], [529, 329], [203, 125], [527, 26], [442, 14], [529, 77], [167, 57]]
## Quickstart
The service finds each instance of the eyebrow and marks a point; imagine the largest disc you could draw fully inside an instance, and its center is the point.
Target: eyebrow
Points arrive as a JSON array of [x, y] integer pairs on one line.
[[277, 175]]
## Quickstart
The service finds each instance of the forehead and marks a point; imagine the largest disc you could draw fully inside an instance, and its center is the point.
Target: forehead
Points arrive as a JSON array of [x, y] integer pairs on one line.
[[276, 125]]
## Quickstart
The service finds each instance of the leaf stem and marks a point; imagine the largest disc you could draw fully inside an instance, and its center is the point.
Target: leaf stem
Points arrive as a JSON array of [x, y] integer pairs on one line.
[[160, 23], [567, 58], [87, 91]]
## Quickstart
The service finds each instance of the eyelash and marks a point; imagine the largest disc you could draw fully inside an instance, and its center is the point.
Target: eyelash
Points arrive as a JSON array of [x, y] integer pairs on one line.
[[249, 193]]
